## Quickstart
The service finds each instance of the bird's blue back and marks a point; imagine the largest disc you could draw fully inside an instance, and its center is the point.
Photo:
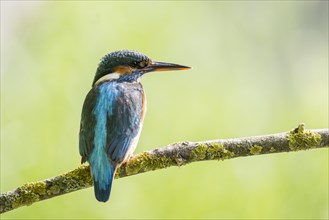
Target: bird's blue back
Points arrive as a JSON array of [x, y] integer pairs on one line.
[[112, 117]]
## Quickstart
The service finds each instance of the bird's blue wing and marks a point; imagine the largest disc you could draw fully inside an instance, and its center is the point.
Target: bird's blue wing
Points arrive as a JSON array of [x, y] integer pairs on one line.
[[87, 125], [124, 123]]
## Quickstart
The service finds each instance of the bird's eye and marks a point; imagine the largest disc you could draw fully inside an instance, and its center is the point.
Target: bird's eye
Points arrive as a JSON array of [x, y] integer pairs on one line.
[[142, 64]]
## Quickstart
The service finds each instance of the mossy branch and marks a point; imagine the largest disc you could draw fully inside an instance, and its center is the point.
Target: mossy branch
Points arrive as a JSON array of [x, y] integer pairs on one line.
[[177, 154]]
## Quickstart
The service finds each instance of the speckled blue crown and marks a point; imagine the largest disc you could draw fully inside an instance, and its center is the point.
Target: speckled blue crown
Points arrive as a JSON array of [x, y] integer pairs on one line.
[[119, 58]]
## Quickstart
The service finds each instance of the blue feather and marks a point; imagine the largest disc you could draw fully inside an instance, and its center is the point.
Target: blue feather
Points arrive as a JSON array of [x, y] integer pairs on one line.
[[102, 187], [101, 167], [111, 119]]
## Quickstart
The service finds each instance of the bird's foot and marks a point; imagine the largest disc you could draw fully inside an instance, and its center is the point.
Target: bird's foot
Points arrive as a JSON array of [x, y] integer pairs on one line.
[[130, 157]]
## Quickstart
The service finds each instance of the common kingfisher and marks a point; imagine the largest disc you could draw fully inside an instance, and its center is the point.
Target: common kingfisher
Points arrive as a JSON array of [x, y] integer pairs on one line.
[[113, 114]]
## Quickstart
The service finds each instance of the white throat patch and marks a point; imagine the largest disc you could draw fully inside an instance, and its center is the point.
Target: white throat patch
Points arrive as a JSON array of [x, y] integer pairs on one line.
[[108, 77]]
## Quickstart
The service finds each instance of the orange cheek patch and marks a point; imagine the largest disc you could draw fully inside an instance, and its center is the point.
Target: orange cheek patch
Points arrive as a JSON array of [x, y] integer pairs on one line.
[[123, 70]]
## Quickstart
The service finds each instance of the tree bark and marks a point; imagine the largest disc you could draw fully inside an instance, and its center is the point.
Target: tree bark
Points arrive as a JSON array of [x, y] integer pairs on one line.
[[177, 154]]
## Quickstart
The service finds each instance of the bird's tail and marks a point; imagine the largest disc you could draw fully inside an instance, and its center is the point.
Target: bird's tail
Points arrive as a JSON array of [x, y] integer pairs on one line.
[[103, 182]]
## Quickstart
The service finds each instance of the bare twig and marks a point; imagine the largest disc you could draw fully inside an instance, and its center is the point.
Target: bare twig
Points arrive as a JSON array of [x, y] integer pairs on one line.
[[177, 154]]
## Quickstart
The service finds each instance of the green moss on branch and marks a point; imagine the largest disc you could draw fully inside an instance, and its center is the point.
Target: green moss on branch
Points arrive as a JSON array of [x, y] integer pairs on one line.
[[177, 154], [301, 139], [256, 149]]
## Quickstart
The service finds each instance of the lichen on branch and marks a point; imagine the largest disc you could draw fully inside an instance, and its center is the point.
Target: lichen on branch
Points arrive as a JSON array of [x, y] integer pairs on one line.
[[301, 139], [177, 154]]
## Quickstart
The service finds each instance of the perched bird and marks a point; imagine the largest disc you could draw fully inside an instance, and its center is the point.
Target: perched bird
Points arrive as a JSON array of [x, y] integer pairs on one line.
[[113, 114]]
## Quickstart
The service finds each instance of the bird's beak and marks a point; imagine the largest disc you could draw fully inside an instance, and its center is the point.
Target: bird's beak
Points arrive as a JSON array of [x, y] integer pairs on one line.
[[161, 66]]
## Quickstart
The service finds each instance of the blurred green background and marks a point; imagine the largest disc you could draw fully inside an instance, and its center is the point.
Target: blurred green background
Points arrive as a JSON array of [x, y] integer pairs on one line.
[[258, 67]]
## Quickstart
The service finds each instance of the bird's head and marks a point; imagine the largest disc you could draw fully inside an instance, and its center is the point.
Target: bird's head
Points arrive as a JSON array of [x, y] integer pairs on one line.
[[127, 65]]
